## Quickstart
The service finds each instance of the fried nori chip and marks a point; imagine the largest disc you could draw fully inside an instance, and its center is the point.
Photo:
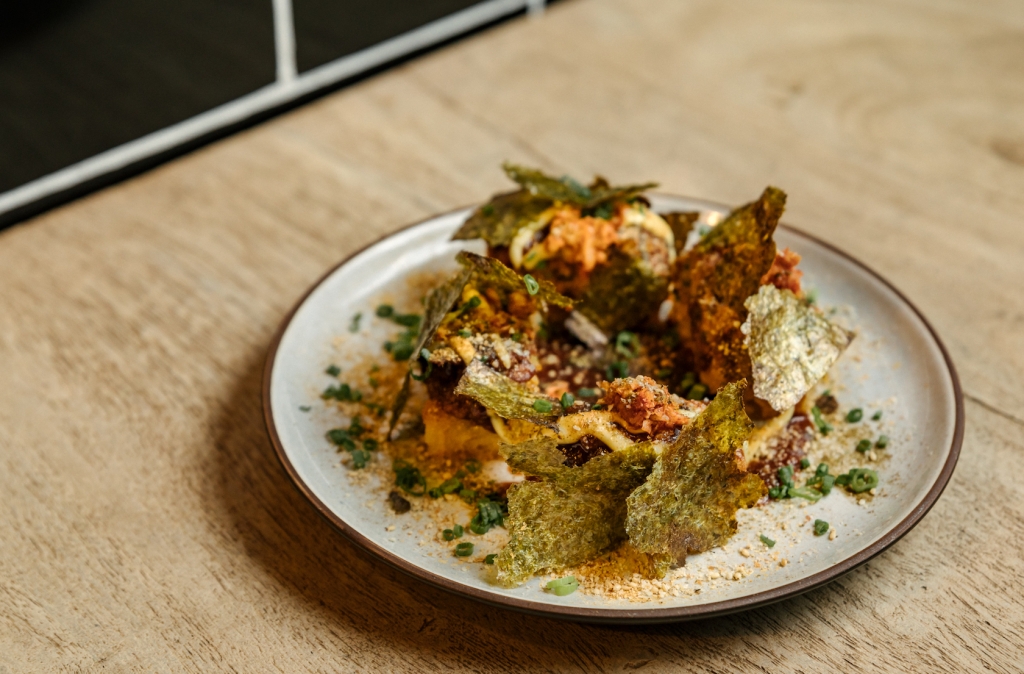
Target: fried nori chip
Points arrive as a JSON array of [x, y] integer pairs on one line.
[[497, 221], [791, 345], [506, 398], [688, 504], [622, 293], [572, 514], [681, 222], [439, 301], [485, 272], [489, 272], [570, 191], [715, 278]]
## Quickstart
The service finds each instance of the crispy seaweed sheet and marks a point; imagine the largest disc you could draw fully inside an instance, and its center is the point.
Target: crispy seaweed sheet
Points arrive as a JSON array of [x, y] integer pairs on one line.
[[715, 278], [622, 293], [439, 301], [688, 503], [484, 271], [497, 221], [489, 272], [503, 396], [569, 191], [571, 515], [791, 345], [681, 222]]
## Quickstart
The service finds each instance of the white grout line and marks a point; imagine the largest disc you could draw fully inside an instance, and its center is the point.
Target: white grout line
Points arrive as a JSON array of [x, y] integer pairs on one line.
[[284, 41], [288, 87]]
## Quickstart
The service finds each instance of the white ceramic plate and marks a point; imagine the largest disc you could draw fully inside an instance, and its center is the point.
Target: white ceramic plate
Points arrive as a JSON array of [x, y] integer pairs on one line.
[[896, 364]]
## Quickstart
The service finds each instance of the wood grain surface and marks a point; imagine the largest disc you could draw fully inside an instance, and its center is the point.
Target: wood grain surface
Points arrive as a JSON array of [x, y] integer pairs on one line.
[[145, 524]]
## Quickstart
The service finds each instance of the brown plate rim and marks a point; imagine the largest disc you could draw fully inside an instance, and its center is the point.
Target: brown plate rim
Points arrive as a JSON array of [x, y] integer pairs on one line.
[[644, 615]]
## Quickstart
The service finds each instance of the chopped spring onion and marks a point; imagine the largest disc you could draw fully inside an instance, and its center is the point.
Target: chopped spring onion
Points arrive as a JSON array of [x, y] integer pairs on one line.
[[820, 527], [561, 587], [463, 549], [767, 541], [855, 415], [542, 406], [531, 284]]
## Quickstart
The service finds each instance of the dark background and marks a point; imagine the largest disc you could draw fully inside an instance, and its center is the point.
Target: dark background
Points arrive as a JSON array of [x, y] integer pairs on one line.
[[78, 77]]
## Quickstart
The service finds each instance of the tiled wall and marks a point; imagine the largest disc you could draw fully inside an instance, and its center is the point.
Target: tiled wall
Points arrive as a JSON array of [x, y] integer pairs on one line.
[[92, 90]]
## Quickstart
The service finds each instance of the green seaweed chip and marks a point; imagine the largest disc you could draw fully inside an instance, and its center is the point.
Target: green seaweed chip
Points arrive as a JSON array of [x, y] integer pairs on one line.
[[507, 398], [497, 221], [716, 277], [489, 272], [484, 271], [572, 514], [688, 503], [622, 293]]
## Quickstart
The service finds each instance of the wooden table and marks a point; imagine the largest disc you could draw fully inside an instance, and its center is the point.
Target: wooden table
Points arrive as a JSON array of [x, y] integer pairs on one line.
[[145, 524]]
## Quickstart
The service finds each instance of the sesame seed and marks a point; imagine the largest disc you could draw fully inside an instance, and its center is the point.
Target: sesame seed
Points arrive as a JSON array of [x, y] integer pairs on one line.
[[745, 552], [832, 535], [783, 562]]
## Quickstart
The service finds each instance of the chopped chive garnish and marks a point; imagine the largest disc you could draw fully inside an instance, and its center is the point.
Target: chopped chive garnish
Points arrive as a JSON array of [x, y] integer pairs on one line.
[[805, 463], [617, 370], [489, 559], [333, 370], [776, 492], [820, 527], [627, 344], [882, 442], [823, 426], [861, 480], [489, 515], [341, 438], [409, 478], [473, 466], [697, 392], [767, 541], [826, 484], [588, 392], [450, 486], [467, 495], [812, 495], [304, 408], [542, 406], [448, 535], [374, 383], [370, 445], [786, 476], [458, 530], [359, 458], [408, 320], [531, 284], [687, 382], [664, 373], [863, 446], [568, 400], [822, 470], [385, 311], [487, 209], [464, 549], [354, 325], [560, 587], [876, 416], [402, 351], [855, 415], [465, 333]]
